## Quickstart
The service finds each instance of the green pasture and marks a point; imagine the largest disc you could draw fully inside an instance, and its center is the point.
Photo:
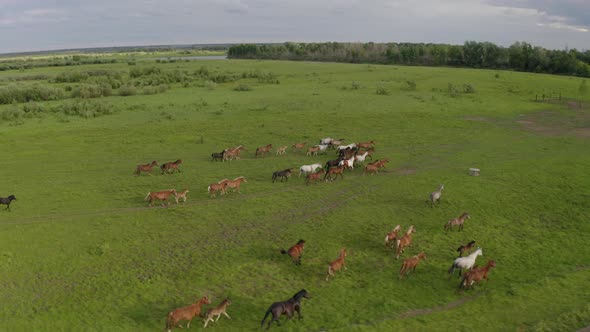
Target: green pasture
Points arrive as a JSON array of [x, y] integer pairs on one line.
[[81, 251]]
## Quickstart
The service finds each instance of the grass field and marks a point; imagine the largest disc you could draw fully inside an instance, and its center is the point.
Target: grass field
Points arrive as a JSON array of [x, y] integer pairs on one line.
[[81, 250]]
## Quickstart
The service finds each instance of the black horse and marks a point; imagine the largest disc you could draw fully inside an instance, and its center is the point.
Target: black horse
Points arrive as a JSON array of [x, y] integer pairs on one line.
[[332, 163], [7, 201], [217, 156], [284, 175], [285, 308]]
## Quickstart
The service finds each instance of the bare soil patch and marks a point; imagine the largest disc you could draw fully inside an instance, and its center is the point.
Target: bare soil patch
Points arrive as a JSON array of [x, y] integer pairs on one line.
[[558, 123]]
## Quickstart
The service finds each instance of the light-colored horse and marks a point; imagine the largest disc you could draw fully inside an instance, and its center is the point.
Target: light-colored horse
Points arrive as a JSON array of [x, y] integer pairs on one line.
[[349, 146], [466, 262], [436, 195], [348, 163], [235, 183], [326, 141], [360, 158], [309, 168]]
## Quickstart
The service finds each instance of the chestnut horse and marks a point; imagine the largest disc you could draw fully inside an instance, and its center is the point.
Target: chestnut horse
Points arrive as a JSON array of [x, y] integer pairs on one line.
[[404, 241], [465, 248], [411, 263], [391, 237], [476, 275], [213, 188], [160, 195], [335, 171], [185, 313], [459, 221], [263, 150], [235, 183], [313, 151], [288, 308], [295, 252], [171, 166], [145, 168], [298, 146], [337, 264], [371, 169], [366, 145], [315, 177]]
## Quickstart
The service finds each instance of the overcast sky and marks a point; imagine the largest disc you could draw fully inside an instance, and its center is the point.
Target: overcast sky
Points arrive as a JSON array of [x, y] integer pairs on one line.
[[31, 25]]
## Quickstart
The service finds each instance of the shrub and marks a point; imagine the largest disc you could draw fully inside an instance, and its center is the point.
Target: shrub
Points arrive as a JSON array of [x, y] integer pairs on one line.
[[24, 93], [382, 91], [85, 108], [242, 87], [127, 90], [92, 90], [468, 88], [409, 86]]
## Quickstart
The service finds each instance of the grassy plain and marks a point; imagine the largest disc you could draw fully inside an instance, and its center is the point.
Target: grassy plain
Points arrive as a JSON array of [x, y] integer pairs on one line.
[[81, 250]]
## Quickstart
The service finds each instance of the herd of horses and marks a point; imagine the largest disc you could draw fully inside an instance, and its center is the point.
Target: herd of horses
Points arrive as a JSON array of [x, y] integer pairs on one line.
[[349, 156]]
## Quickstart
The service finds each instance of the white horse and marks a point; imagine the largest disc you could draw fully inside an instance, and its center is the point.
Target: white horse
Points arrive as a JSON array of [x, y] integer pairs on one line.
[[466, 262], [326, 141], [349, 163], [435, 196], [323, 147], [309, 168], [349, 146], [360, 158]]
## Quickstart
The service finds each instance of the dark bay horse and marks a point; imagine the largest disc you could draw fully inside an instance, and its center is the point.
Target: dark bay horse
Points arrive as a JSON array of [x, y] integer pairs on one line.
[[7, 200], [171, 166], [285, 308], [217, 156], [284, 174]]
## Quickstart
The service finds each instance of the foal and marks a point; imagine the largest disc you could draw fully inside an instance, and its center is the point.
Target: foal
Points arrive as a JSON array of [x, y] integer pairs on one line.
[[217, 311], [465, 248], [476, 275], [263, 150], [295, 252], [180, 195], [411, 263], [404, 241], [281, 150], [7, 201], [459, 221], [337, 264], [335, 171], [391, 237], [315, 177], [185, 313]]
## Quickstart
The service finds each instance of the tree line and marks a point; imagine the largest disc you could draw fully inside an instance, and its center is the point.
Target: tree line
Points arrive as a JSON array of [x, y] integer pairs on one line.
[[520, 56]]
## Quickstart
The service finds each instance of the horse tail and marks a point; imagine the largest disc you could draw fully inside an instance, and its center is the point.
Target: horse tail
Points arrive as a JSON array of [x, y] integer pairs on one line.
[[137, 172], [283, 251], [386, 239], [169, 322], [265, 316], [209, 189], [463, 280], [459, 249], [148, 195], [452, 269]]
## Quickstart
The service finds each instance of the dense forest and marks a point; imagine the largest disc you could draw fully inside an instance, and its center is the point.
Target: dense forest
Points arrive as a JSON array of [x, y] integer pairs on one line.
[[519, 56]]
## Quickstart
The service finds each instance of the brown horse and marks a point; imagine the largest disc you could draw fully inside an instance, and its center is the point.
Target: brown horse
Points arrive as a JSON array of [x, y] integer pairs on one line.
[[337, 264], [171, 166], [295, 252], [180, 195], [263, 150], [411, 263], [160, 195], [465, 248], [213, 188], [404, 241], [338, 170], [185, 313], [371, 169], [298, 146], [314, 176], [476, 275], [281, 150], [145, 168], [288, 308], [391, 237], [313, 151], [233, 153], [459, 221], [366, 145], [235, 183], [217, 311]]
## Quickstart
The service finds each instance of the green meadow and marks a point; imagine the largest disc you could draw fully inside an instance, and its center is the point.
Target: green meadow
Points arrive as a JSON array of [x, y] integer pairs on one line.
[[81, 250]]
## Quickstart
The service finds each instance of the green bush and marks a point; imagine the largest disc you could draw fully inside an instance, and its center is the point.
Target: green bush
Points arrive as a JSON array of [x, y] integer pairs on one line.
[[382, 91], [18, 93], [127, 90], [85, 108], [242, 87]]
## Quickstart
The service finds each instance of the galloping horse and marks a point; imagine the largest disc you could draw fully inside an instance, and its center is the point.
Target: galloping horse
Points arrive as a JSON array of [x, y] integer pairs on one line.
[[7, 200], [281, 150], [332, 163], [337, 264], [309, 168], [180, 195], [335, 171], [171, 166], [366, 145], [185, 313], [315, 177], [404, 241], [465, 248], [213, 188], [284, 175], [371, 169], [160, 195], [217, 311], [465, 262], [295, 252], [298, 146], [231, 153], [235, 183], [457, 222], [313, 151], [411, 263], [285, 308], [391, 237], [435, 196], [262, 150], [145, 168], [218, 156], [476, 275]]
